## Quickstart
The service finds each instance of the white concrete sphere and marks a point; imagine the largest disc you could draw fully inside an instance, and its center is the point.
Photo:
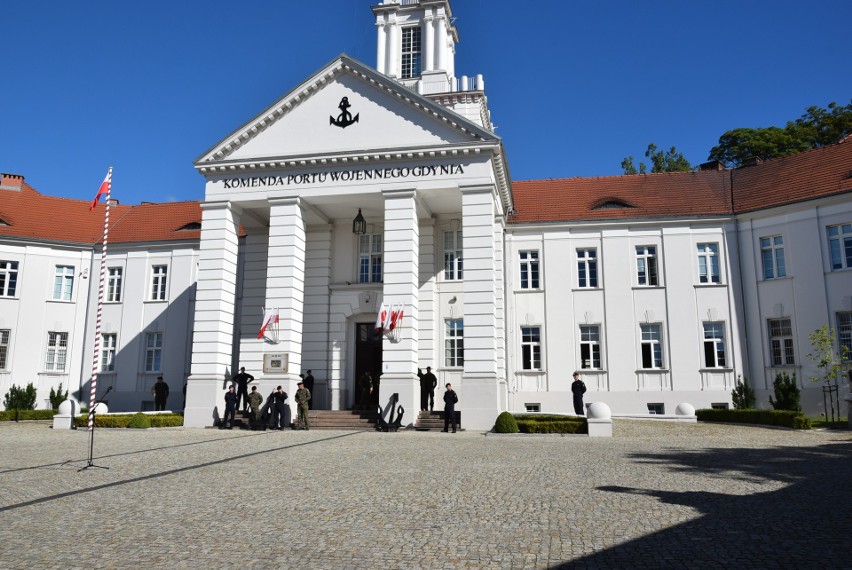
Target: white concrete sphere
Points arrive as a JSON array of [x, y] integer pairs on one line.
[[68, 408], [685, 409], [598, 411], [101, 409]]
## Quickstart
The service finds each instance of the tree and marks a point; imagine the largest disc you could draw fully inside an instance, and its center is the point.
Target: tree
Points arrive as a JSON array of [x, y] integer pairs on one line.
[[57, 396], [742, 395], [828, 360], [20, 398], [787, 394], [661, 161], [815, 128]]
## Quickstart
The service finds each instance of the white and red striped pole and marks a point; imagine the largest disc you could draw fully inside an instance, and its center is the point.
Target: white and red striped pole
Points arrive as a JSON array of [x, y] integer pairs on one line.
[[96, 358]]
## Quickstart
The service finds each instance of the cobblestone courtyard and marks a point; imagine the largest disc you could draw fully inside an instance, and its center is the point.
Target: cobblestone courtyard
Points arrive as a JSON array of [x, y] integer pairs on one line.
[[657, 495]]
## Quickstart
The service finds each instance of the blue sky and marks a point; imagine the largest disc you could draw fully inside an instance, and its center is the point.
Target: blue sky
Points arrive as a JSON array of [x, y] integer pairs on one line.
[[573, 87]]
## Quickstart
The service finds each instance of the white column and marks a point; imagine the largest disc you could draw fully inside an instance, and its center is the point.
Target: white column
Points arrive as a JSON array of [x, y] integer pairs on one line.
[[401, 285], [315, 344], [381, 48], [394, 46], [285, 285], [213, 335], [428, 46], [441, 43], [478, 397], [427, 302]]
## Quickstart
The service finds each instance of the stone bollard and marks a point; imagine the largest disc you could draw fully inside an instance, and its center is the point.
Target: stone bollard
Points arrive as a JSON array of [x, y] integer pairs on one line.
[[685, 413], [599, 418], [68, 410]]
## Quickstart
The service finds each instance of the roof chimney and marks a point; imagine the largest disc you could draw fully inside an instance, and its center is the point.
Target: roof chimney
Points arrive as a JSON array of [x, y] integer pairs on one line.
[[712, 165], [11, 181]]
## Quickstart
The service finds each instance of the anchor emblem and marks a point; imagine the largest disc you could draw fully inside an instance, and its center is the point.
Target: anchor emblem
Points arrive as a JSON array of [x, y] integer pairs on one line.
[[345, 118]]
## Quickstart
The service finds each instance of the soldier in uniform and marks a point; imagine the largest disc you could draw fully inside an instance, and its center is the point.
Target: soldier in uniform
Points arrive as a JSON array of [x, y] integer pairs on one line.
[[309, 386], [255, 400], [303, 396], [242, 379], [279, 417], [161, 394], [578, 388], [230, 408], [430, 382], [450, 401]]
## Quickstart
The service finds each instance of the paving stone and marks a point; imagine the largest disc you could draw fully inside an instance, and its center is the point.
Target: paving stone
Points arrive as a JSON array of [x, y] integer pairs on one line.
[[657, 495]]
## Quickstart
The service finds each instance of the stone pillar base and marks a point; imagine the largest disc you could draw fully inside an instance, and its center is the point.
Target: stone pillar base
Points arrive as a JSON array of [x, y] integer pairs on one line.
[[205, 400]]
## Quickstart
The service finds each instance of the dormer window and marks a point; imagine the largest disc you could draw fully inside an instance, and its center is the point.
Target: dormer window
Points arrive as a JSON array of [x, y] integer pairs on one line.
[[411, 52], [611, 204], [191, 226]]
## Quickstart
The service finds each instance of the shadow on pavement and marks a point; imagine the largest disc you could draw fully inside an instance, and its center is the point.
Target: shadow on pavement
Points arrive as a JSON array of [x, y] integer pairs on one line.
[[806, 524], [253, 454]]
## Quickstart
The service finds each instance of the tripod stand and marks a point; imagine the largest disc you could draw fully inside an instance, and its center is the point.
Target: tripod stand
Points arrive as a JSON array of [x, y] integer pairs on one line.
[[90, 462]]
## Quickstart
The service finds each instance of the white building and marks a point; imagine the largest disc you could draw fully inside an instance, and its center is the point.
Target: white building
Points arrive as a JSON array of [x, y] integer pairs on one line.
[[661, 288]]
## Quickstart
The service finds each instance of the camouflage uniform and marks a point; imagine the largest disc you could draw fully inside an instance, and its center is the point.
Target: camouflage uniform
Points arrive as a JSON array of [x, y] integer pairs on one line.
[[303, 396], [255, 401]]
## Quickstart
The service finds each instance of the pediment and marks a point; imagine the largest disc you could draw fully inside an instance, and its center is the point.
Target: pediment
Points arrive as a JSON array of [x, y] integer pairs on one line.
[[307, 121]]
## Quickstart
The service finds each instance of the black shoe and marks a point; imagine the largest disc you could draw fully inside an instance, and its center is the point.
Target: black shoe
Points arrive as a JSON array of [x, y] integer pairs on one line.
[[454, 431], [444, 431]]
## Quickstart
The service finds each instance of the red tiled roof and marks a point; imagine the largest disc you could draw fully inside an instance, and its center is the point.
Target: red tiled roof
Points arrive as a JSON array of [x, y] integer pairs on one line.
[[699, 193], [803, 176], [812, 174], [30, 214]]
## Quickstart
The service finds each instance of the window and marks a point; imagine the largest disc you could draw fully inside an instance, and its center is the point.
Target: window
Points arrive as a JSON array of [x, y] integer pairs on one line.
[[844, 333], [719, 406], [411, 54], [772, 254], [453, 255], [153, 352], [529, 269], [656, 409], [590, 347], [532, 408], [63, 283], [714, 345], [781, 342], [840, 246], [708, 263], [108, 343], [531, 348], [587, 268], [370, 258], [114, 285], [454, 343], [8, 278], [158, 282], [57, 351], [4, 348], [652, 346], [646, 265]]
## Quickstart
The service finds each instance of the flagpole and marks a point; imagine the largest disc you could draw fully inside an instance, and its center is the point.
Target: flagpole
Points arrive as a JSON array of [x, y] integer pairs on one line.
[[95, 359]]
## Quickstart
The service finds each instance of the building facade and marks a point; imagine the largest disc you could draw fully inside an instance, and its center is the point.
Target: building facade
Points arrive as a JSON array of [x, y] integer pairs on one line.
[[659, 288]]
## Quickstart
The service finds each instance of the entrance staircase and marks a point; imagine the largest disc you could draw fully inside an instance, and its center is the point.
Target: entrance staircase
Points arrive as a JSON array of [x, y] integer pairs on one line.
[[325, 419], [433, 421]]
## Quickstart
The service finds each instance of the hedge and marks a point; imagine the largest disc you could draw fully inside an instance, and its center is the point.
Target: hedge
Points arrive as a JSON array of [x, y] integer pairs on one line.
[[9, 415], [543, 423], [783, 418], [121, 421], [505, 423]]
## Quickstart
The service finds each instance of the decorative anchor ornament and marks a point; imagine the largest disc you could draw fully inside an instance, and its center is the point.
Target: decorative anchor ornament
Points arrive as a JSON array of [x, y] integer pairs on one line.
[[345, 118]]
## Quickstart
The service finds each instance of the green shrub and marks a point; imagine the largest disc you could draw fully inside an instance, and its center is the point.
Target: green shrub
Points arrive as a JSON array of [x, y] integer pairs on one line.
[[505, 423], [20, 398], [550, 423], [27, 415], [786, 393], [139, 421], [742, 395], [123, 420], [782, 418], [57, 397]]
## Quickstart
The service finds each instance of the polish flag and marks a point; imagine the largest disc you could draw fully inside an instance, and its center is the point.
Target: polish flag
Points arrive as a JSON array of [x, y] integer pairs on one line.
[[104, 189], [383, 316], [396, 318], [270, 317]]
